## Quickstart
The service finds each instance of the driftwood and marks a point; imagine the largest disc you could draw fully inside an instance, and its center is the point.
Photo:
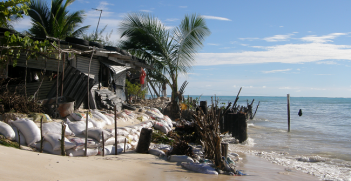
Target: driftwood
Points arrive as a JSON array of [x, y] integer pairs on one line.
[[208, 125]]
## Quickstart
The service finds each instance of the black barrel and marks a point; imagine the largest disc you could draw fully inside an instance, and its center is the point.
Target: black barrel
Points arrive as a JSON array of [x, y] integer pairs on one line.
[[144, 140]]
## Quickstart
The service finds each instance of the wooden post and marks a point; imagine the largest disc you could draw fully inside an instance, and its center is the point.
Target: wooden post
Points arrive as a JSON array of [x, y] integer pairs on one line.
[[41, 135], [288, 112], [203, 105], [103, 144], [237, 98], [224, 147], [63, 140], [115, 129], [125, 142], [86, 134], [256, 109], [19, 139]]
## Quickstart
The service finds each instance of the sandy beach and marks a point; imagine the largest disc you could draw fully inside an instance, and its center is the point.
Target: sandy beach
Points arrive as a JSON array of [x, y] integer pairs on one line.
[[27, 165]]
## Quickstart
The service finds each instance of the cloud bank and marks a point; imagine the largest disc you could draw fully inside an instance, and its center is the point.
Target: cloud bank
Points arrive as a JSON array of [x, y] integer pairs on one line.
[[216, 18], [288, 53]]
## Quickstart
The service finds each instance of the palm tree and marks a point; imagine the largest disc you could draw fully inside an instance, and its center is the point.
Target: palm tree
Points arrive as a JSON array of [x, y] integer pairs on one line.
[[170, 51], [55, 21]]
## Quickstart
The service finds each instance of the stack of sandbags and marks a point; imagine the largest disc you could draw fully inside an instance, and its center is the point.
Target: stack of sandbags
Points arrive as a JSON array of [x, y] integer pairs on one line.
[[7, 131], [30, 131]]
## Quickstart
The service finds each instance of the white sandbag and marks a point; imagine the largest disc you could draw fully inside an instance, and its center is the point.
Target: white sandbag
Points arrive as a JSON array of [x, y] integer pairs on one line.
[[78, 127], [110, 150], [23, 139], [56, 127], [7, 131], [148, 124], [156, 152], [76, 116], [53, 139], [133, 131], [128, 129], [97, 123], [122, 145], [200, 168], [111, 118], [111, 141], [122, 115], [168, 120], [156, 111], [160, 126], [180, 158], [80, 142], [29, 129], [47, 148], [137, 128], [103, 117], [81, 152], [134, 144], [96, 133], [165, 123], [120, 132]]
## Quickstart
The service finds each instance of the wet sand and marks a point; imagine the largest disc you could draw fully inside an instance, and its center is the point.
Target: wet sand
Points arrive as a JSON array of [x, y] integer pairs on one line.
[[27, 165]]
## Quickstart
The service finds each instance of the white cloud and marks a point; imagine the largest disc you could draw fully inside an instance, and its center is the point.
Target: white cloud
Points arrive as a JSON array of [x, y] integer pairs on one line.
[[213, 44], [295, 32], [235, 86], [322, 74], [281, 26], [249, 39], [286, 88], [318, 89], [23, 24], [298, 69], [146, 11], [276, 38], [322, 39], [169, 27], [275, 71], [288, 53], [82, 1], [226, 48], [327, 62], [183, 6], [264, 87], [172, 19], [216, 18]]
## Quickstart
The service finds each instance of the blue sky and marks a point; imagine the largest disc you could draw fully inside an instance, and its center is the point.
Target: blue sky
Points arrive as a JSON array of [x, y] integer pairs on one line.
[[270, 48]]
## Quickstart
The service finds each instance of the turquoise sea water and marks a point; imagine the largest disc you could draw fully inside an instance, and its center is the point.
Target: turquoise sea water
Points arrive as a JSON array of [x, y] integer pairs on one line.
[[319, 142]]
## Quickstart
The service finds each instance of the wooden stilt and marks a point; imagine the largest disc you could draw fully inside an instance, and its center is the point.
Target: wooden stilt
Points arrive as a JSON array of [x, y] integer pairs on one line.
[[41, 135], [115, 130]]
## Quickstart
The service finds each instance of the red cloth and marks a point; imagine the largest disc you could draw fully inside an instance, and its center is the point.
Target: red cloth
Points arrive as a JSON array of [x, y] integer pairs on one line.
[[142, 76]]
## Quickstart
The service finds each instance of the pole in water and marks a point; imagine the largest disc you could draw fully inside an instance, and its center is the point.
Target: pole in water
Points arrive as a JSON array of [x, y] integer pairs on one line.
[[288, 96]]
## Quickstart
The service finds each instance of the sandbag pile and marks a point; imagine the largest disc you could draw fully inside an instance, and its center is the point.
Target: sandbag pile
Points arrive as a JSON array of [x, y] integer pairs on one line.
[[127, 137]]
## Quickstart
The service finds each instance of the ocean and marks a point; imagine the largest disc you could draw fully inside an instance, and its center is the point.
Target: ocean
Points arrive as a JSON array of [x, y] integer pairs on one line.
[[319, 142]]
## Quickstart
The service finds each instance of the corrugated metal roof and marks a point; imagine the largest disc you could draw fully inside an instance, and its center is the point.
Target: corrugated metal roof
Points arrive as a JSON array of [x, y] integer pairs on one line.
[[114, 67], [75, 86]]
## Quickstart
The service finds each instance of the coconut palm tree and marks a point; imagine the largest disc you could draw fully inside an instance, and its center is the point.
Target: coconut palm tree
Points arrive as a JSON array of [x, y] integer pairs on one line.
[[55, 21], [170, 51]]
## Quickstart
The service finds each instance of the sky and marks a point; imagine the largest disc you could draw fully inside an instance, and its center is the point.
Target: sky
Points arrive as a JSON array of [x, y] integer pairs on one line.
[[269, 48]]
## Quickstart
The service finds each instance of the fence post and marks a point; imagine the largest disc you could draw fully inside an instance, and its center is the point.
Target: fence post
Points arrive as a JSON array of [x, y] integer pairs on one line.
[[288, 112]]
